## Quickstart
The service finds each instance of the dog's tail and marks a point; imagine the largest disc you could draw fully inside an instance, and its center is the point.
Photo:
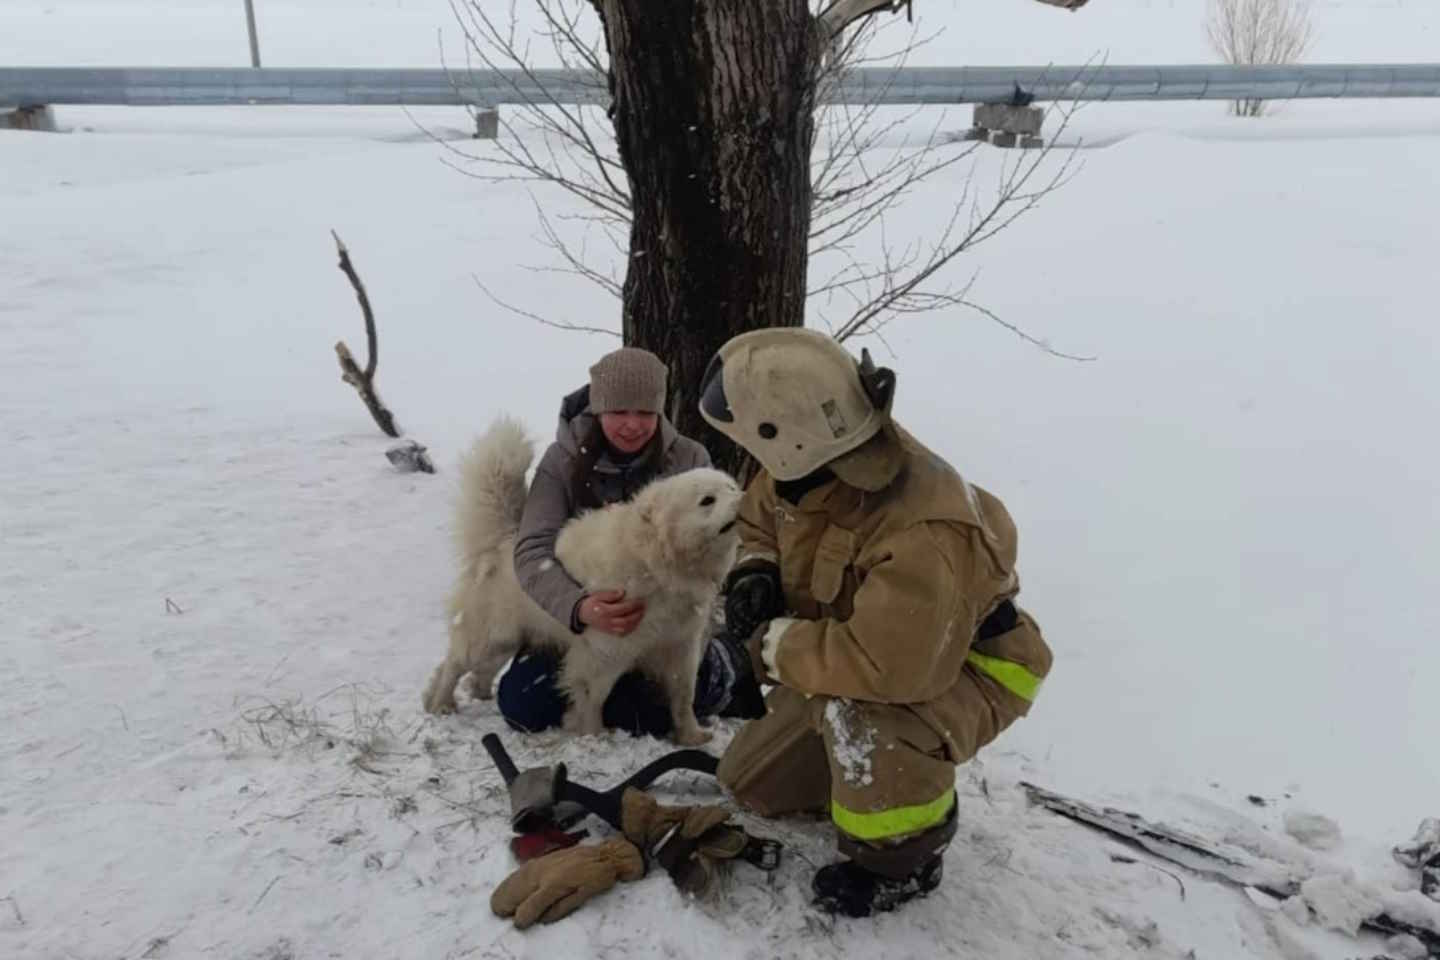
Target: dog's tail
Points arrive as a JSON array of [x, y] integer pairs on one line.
[[492, 489]]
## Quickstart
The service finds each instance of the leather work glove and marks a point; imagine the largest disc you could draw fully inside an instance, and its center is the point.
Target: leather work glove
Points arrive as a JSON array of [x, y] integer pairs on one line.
[[689, 842], [558, 883], [753, 594]]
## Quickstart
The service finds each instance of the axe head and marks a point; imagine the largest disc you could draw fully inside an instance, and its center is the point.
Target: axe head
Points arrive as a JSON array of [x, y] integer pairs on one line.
[[533, 794], [529, 846]]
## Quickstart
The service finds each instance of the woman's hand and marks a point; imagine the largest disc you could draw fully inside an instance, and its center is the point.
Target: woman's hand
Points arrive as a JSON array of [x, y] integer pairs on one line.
[[609, 612]]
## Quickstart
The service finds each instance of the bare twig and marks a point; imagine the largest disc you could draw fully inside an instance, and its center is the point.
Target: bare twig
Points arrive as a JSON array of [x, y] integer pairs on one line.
[[172, 607], [1043, 345], [577, 260], [850, 191], [363, 380], [575, 150], [15, 907], [124, 721], [588, 166], [271, 678], [156, 945], [559, 325], [264, 892], [855, 193], [1121, 858], [902, 282]]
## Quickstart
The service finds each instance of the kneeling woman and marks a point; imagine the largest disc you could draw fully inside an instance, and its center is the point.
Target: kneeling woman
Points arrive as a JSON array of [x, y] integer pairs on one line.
[[612, 440]]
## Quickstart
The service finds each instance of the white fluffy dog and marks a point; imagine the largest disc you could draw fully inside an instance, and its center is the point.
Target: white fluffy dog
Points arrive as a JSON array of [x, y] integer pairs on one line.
[[670, 546]]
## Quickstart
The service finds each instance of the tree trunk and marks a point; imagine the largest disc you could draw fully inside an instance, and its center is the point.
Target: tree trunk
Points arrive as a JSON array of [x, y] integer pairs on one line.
[[713, 113]]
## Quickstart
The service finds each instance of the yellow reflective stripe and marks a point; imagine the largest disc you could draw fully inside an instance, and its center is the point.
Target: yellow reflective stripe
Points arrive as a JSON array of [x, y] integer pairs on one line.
[[1009, 674], [894, 822]]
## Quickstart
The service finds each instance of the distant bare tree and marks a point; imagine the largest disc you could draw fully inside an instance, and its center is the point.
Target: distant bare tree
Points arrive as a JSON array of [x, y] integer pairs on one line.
[[1259, 32]]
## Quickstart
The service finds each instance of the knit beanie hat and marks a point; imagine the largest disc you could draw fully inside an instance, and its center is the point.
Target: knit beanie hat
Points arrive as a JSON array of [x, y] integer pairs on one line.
[[628, 379]]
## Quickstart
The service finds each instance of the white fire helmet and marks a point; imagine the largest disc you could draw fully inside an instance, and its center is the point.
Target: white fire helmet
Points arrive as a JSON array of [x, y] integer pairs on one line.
[[794, 398]]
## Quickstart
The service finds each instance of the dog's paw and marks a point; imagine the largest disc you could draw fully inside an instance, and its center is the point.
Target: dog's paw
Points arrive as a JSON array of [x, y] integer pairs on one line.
[[480, 687], [577, 724], [692, 737], [439, 707]]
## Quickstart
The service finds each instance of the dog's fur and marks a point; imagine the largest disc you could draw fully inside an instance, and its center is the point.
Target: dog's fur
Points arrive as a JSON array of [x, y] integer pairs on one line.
[[670, 546]]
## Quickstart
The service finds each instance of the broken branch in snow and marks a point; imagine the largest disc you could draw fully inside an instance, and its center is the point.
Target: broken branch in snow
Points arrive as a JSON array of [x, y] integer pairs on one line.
[[363, 380], [1121, 858], [156, 945], [15, 906], [264, 892], [1207, 859]]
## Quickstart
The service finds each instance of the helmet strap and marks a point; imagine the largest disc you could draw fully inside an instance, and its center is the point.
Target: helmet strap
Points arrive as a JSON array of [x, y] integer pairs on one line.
[[877, 382]]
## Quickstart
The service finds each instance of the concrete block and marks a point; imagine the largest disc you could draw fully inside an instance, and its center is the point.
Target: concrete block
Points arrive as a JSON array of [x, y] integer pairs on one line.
[[28, 118], [487, 124], [1031, 143], [1003, 139], [1011, 119]]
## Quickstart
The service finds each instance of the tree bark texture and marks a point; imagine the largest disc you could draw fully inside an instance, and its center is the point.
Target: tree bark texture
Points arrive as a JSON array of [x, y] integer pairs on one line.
[[713, 113]]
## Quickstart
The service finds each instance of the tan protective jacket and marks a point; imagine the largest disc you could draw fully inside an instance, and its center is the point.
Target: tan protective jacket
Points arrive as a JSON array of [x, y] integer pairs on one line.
[[888, 574]]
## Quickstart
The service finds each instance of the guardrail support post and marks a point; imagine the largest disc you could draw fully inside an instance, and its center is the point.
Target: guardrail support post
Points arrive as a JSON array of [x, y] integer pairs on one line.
[[487, 123]]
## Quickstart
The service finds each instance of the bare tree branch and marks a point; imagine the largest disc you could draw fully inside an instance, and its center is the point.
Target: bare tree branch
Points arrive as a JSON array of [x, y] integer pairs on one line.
[[590, 166], [550, 139], [858, 175], [1042, 344], [904, 279], [559, 325], [577, 259], [363, 380]]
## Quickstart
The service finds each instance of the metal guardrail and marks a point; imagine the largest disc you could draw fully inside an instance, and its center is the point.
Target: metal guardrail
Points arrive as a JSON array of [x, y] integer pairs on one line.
[[203, 86]]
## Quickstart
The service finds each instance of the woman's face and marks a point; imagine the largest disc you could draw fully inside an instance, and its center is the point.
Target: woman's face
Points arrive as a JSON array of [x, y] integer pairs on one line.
[[627, 431]]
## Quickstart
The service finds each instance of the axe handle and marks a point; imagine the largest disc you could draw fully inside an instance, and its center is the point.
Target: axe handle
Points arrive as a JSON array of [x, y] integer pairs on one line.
[[497, 752], [697, 760], [606, 805]]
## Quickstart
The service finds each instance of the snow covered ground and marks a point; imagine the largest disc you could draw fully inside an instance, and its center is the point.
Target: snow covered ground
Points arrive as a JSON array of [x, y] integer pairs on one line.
[[219, 603]]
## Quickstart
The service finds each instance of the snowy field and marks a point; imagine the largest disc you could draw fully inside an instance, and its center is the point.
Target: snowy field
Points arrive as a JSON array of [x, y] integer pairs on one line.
[[219, 603]]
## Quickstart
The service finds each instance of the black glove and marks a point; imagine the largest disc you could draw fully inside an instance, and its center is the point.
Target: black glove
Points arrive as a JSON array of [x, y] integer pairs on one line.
[[752, 595]]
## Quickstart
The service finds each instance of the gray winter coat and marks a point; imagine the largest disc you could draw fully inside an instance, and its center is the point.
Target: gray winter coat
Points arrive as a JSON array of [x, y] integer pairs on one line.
[[553, 498]]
